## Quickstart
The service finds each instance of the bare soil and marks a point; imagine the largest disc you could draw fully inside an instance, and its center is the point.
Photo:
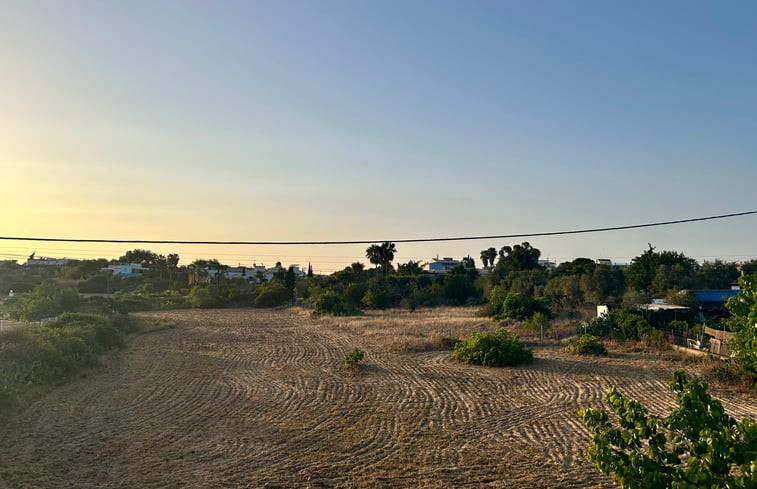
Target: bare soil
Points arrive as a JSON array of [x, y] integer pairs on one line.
[[251, 398]]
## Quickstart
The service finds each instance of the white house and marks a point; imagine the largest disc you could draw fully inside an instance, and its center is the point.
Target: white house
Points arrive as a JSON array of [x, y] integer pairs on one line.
[[440, 266], [253, 273], [126, 270]]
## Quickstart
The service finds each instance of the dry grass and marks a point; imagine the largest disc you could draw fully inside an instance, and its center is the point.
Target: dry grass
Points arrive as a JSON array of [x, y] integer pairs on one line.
[[399, 330], [250, 398]]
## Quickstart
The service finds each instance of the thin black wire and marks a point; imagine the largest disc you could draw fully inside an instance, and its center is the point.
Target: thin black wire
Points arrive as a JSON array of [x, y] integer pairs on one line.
[[356, 242]]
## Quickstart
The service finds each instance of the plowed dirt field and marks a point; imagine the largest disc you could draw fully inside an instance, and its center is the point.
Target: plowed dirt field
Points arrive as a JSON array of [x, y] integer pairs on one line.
[[251, 398]]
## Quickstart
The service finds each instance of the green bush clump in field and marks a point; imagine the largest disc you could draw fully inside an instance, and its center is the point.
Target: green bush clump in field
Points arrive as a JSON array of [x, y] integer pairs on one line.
[[329, 302], [273, 294], [46, 300], [521, 307], [587, 345], [601, 326], [493, 350], [57, 349], [354, 357], [625, 325]]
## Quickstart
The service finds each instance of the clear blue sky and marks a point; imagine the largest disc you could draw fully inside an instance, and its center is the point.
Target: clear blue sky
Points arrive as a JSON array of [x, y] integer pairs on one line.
[[378, 120]]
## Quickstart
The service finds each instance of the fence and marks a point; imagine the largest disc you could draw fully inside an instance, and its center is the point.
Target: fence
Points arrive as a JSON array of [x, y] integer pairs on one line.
[[714, 344]]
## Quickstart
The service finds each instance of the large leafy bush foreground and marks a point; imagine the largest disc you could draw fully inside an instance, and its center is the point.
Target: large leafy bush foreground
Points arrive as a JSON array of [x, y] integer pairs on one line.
[[696, 445], [57, 349], [500, 349]]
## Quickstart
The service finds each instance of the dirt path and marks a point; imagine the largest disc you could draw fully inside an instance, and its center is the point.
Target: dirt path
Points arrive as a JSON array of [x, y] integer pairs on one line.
[[247, 398]]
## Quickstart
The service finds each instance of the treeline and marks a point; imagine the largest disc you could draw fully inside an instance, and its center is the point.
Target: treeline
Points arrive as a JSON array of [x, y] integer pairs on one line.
[[512, 270]]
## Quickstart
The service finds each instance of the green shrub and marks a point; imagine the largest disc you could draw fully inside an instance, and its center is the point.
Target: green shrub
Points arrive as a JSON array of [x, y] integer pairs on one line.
[[273, 294], [696, 445], [125, 303], [203, 296], [601, 326], [521, 307], [376, 297], [654, 338], [100, 284], [354, 294], [678, 326], [354, 357], [538, 323], [57, 349], [587, 345], [494, 350], [329, 302], [46, 300], [629, 325]]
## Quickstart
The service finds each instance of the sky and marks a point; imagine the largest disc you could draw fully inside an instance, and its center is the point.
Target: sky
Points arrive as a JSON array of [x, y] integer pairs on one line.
[[354, 120]]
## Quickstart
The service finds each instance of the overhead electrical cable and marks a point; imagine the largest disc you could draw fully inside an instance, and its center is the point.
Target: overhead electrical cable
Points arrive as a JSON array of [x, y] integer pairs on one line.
[[371, 241]]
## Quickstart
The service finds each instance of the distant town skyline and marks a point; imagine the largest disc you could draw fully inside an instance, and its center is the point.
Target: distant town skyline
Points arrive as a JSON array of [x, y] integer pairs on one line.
[[333, 120]]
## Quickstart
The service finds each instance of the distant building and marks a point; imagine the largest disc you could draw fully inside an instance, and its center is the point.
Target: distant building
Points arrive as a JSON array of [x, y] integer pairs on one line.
[[604, 261], [254, 273], [440, 266], [548, 264], [126, 270]]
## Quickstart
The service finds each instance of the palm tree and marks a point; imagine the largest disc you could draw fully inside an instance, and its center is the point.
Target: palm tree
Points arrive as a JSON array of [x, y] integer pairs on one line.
[[374, 255], [488, 256], [485, 258], [381, 255], [357, 268]]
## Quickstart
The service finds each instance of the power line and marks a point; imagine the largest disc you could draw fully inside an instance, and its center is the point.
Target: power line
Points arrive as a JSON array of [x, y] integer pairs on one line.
[[357, 242]]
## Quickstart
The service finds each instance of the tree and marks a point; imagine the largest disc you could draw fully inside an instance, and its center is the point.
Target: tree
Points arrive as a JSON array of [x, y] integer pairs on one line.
[[605, 284], [579, 266], [564, 291], [410, 268], [488, 256], [469, 262], [717, 275], [172, 261], [381, 255], [696, 445], [310, 270], [290, 279], [519, 258], [198, 275], [146, 258], [459, 285], [484, 258], [357, 268], [655, 273], [743, 309]]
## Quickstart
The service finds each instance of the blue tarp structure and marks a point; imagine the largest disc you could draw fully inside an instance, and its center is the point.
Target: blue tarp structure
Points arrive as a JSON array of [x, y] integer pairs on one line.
[[715, 296]]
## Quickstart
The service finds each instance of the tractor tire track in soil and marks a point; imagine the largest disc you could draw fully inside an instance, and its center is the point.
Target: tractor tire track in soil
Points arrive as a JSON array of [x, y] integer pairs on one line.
[[250, 398]]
